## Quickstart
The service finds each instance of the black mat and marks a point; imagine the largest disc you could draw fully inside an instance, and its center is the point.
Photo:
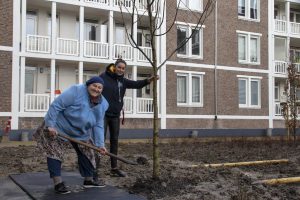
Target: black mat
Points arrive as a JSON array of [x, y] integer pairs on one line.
[[40, 186]]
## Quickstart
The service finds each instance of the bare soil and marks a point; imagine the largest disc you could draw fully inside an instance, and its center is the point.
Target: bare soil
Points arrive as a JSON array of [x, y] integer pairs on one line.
[[178, 179]]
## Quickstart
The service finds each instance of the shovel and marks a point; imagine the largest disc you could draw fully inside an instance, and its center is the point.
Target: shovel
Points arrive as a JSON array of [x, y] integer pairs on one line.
[[97, 149]]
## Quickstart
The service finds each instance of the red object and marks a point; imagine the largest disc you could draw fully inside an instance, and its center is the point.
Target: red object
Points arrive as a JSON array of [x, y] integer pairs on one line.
[[57, 92], [8, 125]]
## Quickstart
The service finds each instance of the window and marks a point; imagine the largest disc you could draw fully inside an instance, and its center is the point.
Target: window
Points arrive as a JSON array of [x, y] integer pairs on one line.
[[143, 38], [193, 47], [189, 88], [190, 4], [248, 48], [120, 35], [90, 31], [249, 92], [248, 9], [31, 24]]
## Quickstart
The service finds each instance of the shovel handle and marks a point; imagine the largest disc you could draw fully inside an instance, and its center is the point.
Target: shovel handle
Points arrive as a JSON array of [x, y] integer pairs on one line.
[[96, 149]]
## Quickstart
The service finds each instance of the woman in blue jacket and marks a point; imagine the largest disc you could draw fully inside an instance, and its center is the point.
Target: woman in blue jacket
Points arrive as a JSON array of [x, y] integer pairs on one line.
[[79, 113]]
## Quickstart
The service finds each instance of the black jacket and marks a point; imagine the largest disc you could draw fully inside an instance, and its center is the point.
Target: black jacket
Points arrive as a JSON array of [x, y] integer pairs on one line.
[[114, 90]]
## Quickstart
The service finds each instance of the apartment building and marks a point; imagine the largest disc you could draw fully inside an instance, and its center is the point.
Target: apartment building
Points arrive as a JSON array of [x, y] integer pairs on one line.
[[230, 74]]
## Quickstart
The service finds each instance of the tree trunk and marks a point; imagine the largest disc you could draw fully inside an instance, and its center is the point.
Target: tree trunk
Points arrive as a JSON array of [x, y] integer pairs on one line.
[[156, 156]]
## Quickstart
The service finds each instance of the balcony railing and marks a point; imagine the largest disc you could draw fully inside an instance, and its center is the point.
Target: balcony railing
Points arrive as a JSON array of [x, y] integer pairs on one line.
[[297, 66], [70, 47], [147, 51], [122, 51], [295, 28], [124, 3], [280, 26], [144, 105], [281, 67], [277, 109], [95, 49], [100, 2], [142, 5], [127, 104], [37, 102], [38, 44], [67, 46]]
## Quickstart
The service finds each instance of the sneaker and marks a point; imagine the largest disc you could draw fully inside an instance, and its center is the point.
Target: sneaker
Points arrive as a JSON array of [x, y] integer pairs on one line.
[[61, 188], [92, 183], [117, 172]]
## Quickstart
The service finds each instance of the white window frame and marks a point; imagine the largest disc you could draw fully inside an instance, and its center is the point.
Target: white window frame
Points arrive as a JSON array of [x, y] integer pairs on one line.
[[189, 6], [189, 28], [248, 91], [248, 36], [247, 11], [189, 90]]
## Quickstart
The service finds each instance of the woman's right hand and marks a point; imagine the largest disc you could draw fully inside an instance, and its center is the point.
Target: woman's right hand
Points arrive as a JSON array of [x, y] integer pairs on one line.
[[52, 132], [103, 150]]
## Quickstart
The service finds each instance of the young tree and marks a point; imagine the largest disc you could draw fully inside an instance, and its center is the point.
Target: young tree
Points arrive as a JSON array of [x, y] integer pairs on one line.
[[290, 107], [155, 11]]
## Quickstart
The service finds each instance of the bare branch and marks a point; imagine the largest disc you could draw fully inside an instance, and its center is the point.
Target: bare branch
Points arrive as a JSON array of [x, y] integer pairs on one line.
[[198, 26]]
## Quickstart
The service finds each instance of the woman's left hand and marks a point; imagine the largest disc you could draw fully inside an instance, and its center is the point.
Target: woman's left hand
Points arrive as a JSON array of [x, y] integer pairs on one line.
[[153, 78], [103, 150]]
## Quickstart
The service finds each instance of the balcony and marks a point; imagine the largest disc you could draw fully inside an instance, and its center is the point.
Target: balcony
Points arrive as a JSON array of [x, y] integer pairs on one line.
[[142, 5], [41, 102], [92, 49], [95, 49], [147, 51], [123, 51], [38, 44], [128, 4], [281, 27], [144, 105], [281, 67], [67, 47], [37, 102], [97, 2]]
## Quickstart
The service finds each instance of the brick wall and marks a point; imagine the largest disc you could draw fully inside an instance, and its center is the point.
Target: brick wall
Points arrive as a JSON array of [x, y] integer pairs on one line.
[[220, 123], [6, 22], [137, 123], [227, 93], [30, 122], [5, 81], [228, 23], [3, 121], [208, 100]]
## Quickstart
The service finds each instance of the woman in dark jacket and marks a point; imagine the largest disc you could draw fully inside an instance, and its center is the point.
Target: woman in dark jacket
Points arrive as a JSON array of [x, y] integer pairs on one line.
[[114, 91]]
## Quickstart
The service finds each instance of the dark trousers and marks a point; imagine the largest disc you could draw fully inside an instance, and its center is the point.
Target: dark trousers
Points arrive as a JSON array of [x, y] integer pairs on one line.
[[86, 168], [113, 124]]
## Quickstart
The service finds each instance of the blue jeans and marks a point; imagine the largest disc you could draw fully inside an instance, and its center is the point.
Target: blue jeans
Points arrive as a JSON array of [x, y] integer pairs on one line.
[[86, 168]]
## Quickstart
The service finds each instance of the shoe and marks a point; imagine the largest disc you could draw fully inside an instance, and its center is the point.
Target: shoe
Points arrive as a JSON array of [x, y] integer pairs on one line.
[[117, 172], [61, 188], [91, 184]]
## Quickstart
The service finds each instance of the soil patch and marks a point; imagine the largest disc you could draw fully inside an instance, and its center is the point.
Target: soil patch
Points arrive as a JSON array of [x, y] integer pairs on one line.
[[178, 179]]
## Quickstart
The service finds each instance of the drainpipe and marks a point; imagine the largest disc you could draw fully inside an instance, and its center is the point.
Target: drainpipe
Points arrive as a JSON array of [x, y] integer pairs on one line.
[[216, 59]]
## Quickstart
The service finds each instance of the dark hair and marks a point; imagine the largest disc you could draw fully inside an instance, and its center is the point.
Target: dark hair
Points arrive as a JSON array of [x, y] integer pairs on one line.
[[119, 60]]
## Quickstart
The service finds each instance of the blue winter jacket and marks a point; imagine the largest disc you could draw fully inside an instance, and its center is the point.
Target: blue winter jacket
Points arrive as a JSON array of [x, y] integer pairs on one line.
[[71, 114]]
